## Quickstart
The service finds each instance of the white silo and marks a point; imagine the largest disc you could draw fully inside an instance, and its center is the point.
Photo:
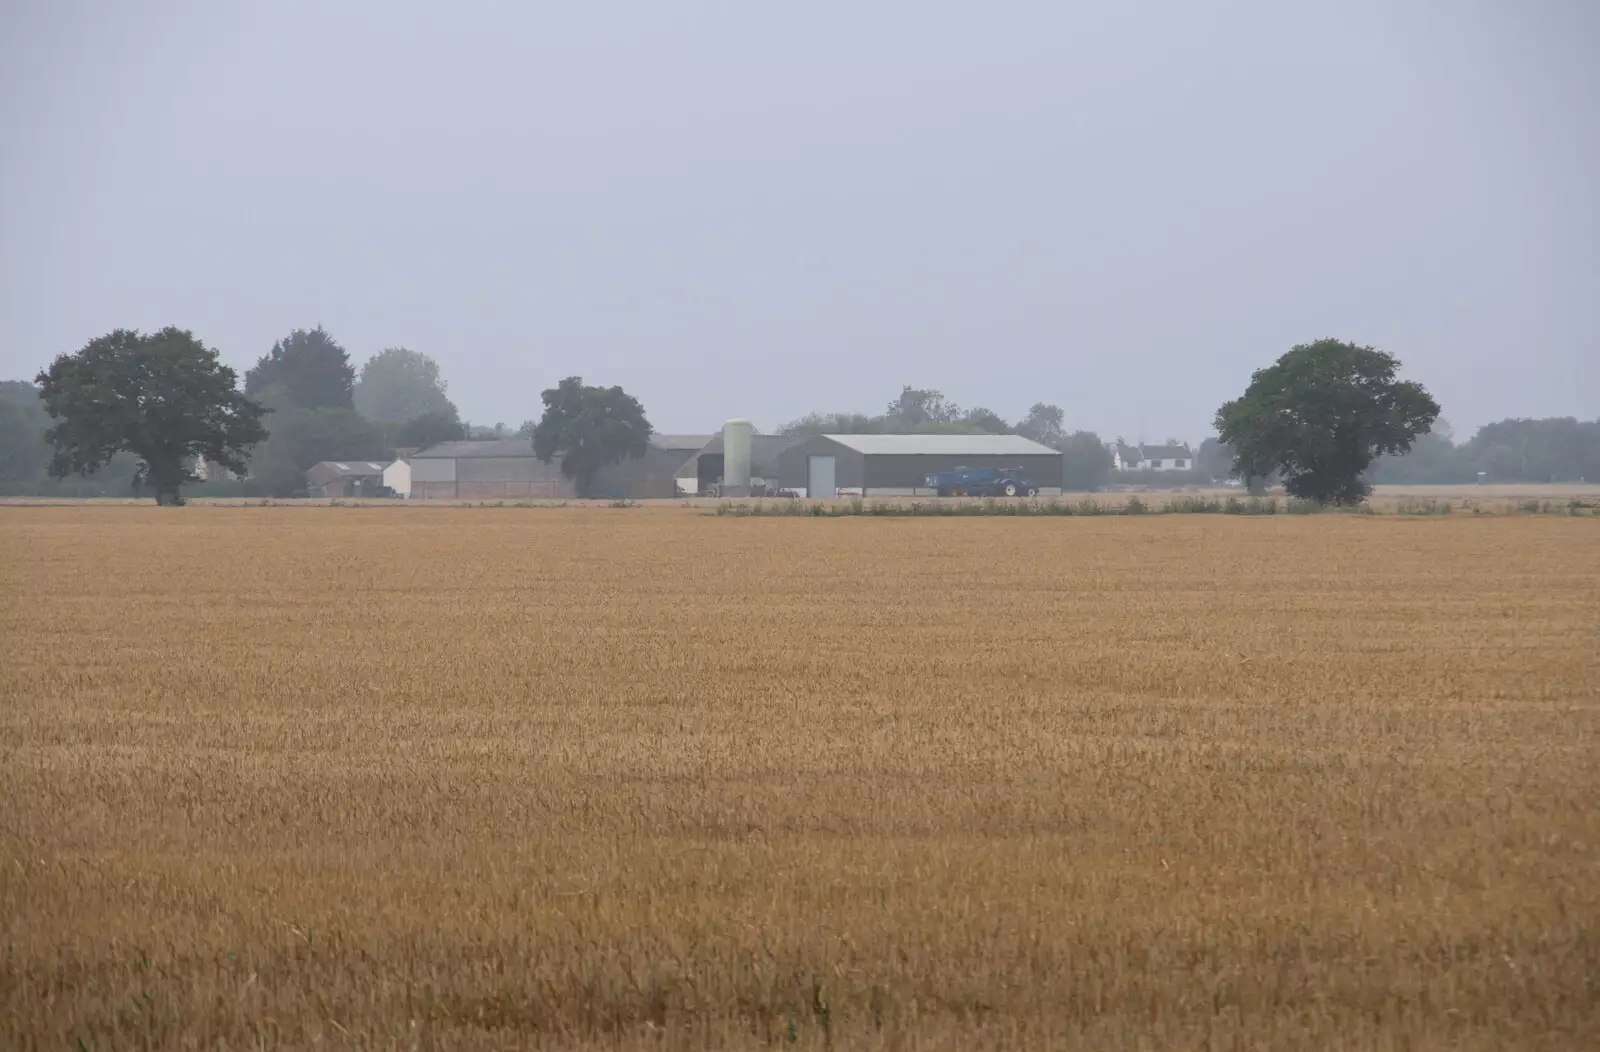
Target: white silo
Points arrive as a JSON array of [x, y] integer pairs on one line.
[[736, 457]]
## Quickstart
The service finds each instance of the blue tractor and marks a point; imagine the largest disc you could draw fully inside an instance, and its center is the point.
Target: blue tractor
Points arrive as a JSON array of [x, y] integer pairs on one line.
[[982, 482]]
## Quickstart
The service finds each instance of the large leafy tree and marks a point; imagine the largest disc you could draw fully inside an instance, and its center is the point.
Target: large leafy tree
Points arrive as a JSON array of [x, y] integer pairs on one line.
[[916, 407], [1214, 459], [303, 437], [398, 384], [589, 427], [1043, 424], [1433, 458], [165, 397], [430, 429], [1321, 415], [310, 370], [986, 421], [1085, 463], [24, 453]]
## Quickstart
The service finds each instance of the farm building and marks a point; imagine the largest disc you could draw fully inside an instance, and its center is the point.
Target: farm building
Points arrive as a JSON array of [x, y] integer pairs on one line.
[[506, 469], [344, 478], [707, 466], [397, 476], [898, 465], [1174, 456]]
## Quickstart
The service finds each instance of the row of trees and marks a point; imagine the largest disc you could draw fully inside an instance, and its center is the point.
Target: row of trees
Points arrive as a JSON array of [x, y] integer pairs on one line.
[[133, 410], [126, 394], [1326, 419], [322, 409], [1552, 449]]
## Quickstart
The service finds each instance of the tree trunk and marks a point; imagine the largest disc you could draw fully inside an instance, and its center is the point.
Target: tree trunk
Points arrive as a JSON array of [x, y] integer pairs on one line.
[[165, 479]]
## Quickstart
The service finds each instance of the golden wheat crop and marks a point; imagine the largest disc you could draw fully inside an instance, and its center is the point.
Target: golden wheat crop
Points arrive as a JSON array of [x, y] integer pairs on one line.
[[644, 778]]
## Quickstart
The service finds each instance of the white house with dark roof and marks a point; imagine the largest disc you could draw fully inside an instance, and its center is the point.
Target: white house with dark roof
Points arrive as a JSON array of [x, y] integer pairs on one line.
[[1170, 457]]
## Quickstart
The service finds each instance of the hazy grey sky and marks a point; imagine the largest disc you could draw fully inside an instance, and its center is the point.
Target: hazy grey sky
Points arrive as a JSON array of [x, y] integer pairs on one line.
[[762, 209]]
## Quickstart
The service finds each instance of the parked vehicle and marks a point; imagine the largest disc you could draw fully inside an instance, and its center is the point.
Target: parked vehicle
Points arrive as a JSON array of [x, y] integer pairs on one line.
[[982, 482]]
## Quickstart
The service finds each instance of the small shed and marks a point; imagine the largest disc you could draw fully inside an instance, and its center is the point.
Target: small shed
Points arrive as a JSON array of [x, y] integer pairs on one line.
[[344, 478], [898, 465]]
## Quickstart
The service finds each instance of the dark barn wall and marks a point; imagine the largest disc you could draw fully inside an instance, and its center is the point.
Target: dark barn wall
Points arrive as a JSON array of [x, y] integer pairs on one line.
[[910, 472], [792, 462], [653, 476]]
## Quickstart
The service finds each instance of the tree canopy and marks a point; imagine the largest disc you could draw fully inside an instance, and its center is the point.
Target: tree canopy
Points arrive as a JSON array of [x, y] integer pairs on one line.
[[590, 428], [1556, 449], [1043, 424], [1086, 462], [303, 437], [1320, 415], [24, 453], [917, 407], [398, 384], [308, 369], [165, 397], [430, 429], [916, 411]]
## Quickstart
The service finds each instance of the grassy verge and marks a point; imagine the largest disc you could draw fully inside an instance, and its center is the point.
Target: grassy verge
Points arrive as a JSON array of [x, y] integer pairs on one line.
[[1133, 506]]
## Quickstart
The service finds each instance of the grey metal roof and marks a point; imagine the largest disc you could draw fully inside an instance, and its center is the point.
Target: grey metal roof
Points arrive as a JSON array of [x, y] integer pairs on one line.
[[687, 443], [493, 447], [349, 468], [523, 447], [944, 445], [764, 449]]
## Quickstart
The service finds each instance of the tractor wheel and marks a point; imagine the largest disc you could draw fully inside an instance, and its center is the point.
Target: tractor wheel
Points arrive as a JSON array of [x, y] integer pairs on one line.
[[1010, 489], [1033, 491]]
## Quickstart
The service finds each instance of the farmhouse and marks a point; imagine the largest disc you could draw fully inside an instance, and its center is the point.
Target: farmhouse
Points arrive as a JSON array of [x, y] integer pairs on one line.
[[898, 465], [1171, 457], [344, 478], [506, 469]]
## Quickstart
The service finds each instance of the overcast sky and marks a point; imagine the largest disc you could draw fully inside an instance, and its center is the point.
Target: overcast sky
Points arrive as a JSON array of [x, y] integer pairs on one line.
[[762, 209]]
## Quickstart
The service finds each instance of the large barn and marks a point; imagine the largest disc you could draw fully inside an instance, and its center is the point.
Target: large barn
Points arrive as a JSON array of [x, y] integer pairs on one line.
[[506, 469], [898, 465]]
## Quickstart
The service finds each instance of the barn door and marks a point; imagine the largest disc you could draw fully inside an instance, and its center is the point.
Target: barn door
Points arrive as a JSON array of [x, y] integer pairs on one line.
[[820, 478]]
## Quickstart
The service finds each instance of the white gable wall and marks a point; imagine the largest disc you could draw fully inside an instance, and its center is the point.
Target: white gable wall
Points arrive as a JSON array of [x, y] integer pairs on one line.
[[397, 476]]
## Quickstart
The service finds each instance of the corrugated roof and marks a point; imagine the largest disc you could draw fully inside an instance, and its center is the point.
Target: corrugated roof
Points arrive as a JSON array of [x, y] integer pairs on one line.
[[492, 447], [523, 447], [689, 443], [944, 445], [350, 467], [764, 450]]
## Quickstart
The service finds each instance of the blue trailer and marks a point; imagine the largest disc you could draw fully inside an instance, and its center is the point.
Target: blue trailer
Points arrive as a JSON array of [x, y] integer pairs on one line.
[[982, 482]]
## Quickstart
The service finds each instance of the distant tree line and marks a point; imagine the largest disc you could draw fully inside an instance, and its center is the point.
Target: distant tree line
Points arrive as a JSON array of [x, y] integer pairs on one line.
[[130, 410], [1549, 449], [315, 406], [923, 411]]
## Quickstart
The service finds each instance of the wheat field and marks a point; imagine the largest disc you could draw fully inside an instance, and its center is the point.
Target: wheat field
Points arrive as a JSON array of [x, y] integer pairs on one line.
[[428, 778]]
